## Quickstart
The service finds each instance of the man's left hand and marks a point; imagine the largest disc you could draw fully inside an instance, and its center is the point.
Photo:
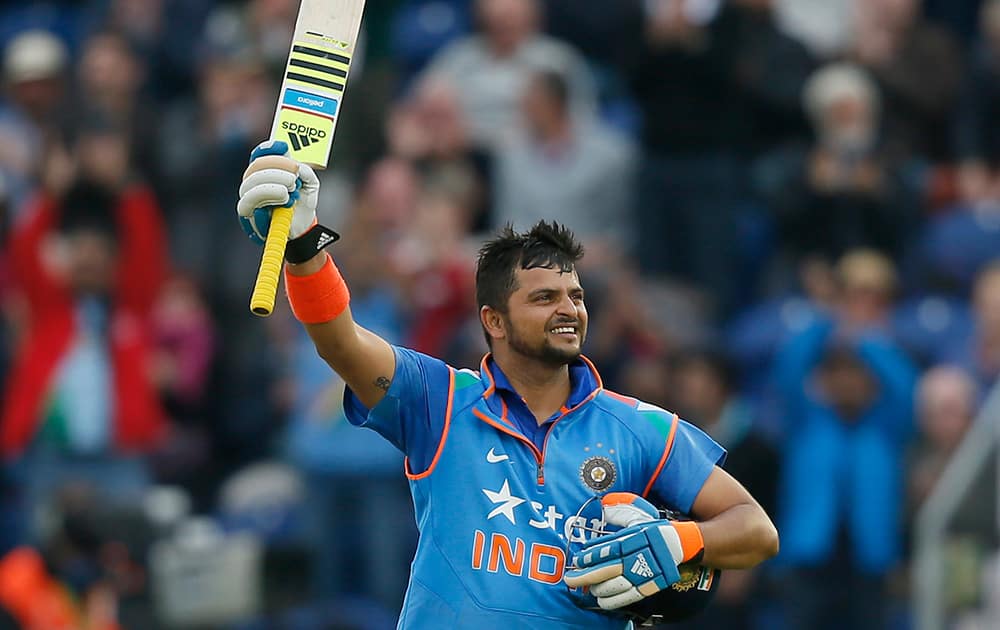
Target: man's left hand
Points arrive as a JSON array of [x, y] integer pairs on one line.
[[634, 562]]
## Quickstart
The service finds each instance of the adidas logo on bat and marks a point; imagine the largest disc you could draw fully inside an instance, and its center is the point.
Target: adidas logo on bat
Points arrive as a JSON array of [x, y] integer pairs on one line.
[[301, 136], [299, 141]]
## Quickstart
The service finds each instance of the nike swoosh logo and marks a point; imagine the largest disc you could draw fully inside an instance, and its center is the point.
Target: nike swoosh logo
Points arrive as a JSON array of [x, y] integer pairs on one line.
[[493, 458]]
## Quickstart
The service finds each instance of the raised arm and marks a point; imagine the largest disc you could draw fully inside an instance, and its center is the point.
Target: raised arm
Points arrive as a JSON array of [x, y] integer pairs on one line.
[[316, 291], [364, 360], [897, 378]]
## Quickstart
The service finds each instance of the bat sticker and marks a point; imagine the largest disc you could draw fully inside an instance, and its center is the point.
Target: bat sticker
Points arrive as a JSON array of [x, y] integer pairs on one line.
[[312, 66], [308, 135], [315, 103]]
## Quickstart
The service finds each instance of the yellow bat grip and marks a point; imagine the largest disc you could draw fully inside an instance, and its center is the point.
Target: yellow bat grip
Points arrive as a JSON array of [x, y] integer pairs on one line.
[[266, 286]]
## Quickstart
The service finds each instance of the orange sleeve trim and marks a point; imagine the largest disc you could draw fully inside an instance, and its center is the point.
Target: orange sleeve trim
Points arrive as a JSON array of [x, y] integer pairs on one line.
[[319, 297], [669, 446], [444, 433], [692, 542]]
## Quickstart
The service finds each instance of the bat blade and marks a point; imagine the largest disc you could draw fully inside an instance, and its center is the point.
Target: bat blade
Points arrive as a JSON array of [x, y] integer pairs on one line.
[[309, 102], [312, 88]]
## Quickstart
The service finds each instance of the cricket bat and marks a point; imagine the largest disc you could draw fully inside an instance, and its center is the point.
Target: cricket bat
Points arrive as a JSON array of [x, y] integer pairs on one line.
[[312, 91]]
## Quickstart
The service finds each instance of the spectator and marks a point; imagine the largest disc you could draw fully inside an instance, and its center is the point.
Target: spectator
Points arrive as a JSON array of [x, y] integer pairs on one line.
[[977, 137], [79, 402], [770, 70], [68, 582], [572, 170], [917, 66], [166, 36], [847, 403], [387, 201], [590, 25], [867, 290], [261, 29], [433, 264], [946, 405], [844, 192], [954, 246], [946, 402], [705, 390], [210, 137], [208, 140], [110, 81], [35, 65], [824, 26], [429, 129], [184, 338], [683, 83], [491, 70], [979, 354]]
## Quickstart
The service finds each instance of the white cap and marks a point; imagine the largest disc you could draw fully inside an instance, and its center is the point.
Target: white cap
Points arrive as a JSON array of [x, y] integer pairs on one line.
[[836, 81], [33, 55]]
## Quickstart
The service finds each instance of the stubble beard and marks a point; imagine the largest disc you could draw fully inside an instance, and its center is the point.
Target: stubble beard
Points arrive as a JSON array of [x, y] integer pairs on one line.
[[544, 352]]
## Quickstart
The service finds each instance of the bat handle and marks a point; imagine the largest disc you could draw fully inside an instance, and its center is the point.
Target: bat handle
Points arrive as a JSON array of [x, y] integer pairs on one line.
[[266, 286]]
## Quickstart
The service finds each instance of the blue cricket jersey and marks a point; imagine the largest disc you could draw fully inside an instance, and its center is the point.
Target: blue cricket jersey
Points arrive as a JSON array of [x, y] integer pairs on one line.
[[499, 515]]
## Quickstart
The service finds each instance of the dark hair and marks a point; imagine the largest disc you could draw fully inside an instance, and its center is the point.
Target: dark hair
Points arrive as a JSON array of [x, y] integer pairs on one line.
[[555, 86], [546, 245], [715, 359], [90, 207]]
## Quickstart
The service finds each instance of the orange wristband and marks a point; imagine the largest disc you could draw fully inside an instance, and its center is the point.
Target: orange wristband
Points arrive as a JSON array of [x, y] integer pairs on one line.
[[691, 541], [318, 297]]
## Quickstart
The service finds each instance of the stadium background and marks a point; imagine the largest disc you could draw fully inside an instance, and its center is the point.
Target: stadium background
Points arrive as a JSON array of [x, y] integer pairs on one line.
[[741, 172]]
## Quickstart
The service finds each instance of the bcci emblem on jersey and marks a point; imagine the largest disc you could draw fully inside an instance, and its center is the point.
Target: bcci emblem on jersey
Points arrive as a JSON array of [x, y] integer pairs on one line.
[[598, 473]]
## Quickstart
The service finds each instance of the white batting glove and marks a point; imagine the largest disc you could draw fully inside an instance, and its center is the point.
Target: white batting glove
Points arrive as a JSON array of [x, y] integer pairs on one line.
[[275, 180]]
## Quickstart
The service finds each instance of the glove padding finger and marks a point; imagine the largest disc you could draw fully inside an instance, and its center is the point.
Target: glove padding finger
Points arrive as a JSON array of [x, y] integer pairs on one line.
[[624, 509], [262, 196], [631, 596], [269, 176], [609, 588], [308, 177], [273, 179], [645, 556], [588, 576]]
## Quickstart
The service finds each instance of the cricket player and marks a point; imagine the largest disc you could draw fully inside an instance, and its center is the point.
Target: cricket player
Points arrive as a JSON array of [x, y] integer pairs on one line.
[[504, 460]]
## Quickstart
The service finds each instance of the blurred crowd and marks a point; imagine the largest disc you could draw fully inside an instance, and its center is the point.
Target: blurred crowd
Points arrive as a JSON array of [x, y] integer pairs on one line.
[[791, 210]]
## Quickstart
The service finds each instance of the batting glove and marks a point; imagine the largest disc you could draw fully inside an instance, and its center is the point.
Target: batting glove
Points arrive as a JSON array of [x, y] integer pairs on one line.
[[637, 561], [275, 180]]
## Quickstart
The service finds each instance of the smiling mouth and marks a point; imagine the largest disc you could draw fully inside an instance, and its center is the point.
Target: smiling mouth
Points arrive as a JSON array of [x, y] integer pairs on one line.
[[564, 330]]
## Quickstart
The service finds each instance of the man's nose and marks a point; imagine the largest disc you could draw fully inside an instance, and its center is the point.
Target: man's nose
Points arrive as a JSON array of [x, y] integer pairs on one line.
[[567, 306]]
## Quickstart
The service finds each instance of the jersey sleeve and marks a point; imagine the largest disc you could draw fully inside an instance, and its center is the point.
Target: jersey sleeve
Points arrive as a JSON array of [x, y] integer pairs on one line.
[[691, 458], [411, 415]]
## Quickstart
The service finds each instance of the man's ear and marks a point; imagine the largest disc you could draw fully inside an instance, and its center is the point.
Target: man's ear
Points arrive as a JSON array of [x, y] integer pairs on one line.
[[493, 322]]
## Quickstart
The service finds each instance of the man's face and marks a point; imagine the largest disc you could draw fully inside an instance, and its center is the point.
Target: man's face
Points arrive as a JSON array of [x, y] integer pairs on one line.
[[700, 393], [546, 318], [507, 23], [849, 387], [91, 262]]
